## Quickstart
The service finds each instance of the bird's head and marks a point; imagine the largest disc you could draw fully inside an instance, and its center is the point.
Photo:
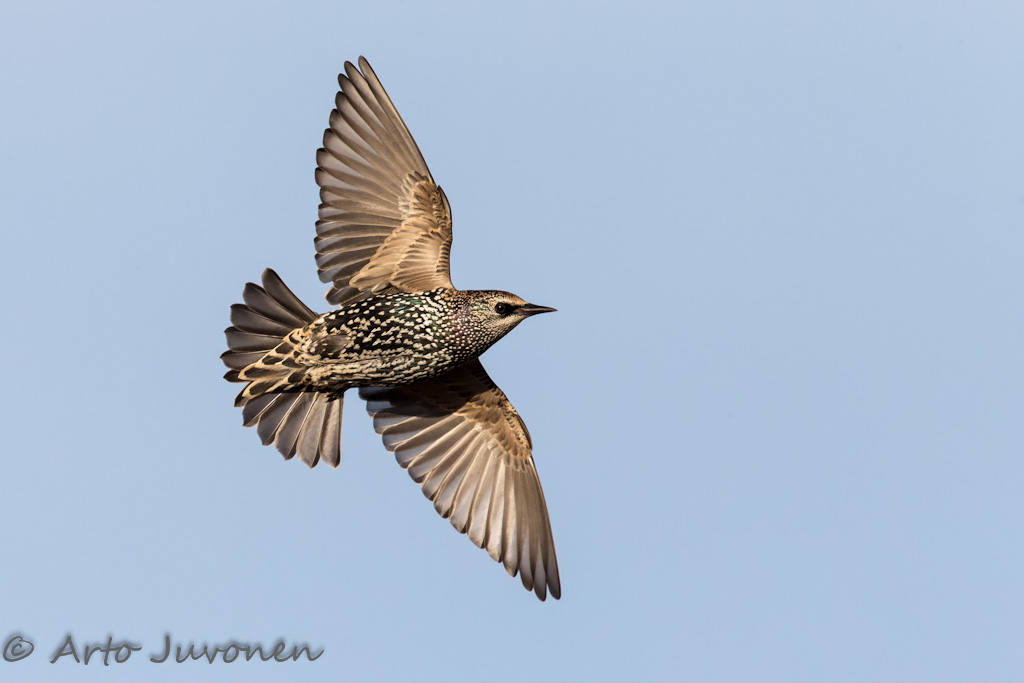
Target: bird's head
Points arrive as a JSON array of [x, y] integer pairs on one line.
[[496, 313]]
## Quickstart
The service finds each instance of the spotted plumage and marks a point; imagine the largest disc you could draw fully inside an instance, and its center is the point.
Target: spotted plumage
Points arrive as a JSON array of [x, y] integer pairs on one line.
[[403, 335], [389, 339]]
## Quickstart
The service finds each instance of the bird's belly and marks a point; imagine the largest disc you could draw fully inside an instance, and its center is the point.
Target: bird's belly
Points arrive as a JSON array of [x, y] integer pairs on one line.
[[391, 369]]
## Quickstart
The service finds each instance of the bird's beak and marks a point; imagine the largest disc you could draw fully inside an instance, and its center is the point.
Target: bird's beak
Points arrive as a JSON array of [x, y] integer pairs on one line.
[[533, 309]]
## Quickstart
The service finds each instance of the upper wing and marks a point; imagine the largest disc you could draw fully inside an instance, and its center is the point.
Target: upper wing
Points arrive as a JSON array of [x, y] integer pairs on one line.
[[384, 224], [462, 440]]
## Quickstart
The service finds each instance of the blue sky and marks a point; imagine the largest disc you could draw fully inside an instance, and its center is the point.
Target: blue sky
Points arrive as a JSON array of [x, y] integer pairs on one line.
[[777, 417]]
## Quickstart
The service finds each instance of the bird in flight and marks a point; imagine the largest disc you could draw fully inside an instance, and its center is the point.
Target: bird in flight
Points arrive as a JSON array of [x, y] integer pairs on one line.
[[403, 335]]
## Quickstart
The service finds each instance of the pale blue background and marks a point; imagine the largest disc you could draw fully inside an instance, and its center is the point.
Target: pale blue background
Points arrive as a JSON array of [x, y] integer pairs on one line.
[[778, 417]]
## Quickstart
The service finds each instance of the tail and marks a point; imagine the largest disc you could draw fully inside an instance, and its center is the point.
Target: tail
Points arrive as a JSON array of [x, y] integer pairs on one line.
[[303, 423]]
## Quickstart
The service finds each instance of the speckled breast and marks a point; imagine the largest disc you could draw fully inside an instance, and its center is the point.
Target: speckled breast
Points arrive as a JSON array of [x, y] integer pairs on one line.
[[388, 340]]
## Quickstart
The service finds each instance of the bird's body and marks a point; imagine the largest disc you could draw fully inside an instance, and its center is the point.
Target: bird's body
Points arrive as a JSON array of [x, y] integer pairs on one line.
[[403, 334], [385, 340]]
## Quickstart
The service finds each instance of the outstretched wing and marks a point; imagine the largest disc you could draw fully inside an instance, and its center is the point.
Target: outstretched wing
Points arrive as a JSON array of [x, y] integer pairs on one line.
[[384, 224], [464, 443]]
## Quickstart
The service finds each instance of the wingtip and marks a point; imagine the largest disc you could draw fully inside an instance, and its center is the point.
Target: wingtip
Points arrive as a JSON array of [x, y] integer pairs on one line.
[[351, 72]]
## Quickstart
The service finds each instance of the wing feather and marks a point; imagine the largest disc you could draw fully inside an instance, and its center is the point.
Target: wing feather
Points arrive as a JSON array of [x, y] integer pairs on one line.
[[384, 225], [460, 438]]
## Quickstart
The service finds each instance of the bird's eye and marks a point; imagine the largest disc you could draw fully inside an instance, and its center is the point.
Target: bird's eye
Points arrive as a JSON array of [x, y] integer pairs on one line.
[[502, 309]]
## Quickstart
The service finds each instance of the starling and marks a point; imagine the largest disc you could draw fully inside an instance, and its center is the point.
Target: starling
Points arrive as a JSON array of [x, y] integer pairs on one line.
[[403, 335]]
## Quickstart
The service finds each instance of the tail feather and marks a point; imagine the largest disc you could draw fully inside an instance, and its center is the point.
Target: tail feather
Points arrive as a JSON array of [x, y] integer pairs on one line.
[[279, 292], [243, 340], [239, 361], [276, 302], [252, 410], [306, 424], [268, 314], [287, 433], [246, 318]]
